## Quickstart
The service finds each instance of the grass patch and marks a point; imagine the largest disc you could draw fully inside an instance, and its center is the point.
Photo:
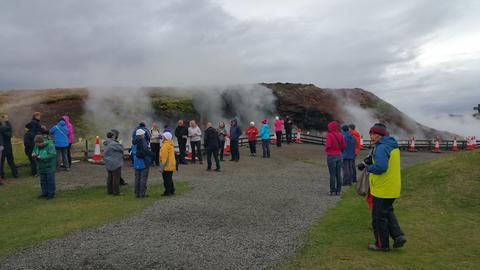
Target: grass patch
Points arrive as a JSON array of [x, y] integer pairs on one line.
[[439, 211], [26, 220]]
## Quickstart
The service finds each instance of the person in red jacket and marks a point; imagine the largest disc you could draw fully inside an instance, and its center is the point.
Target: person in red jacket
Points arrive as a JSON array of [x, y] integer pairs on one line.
[[334, 146], [357, 137], [252, 133]]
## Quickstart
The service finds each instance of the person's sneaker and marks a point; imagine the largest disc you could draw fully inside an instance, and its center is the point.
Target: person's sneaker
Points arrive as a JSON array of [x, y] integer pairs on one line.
[[208, 169], [217, 170], [399, 241], [373, 247]]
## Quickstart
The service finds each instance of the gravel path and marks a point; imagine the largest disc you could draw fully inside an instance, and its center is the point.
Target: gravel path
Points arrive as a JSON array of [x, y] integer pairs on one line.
[[250, 216]]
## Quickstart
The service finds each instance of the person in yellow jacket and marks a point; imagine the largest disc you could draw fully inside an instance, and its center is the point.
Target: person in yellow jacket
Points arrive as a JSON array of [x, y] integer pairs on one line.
[[385, 186], [167, 163]]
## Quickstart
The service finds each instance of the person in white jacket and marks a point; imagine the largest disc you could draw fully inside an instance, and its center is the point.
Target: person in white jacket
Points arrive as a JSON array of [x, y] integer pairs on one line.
[[195, 135]]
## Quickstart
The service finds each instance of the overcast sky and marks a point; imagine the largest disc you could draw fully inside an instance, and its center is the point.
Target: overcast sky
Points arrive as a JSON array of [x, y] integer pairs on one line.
[[418, 55]]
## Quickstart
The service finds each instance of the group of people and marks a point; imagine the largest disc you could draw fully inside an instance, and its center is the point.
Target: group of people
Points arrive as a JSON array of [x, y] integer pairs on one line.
[[36, 142], [383, 168], [151, 147], [50, 149]]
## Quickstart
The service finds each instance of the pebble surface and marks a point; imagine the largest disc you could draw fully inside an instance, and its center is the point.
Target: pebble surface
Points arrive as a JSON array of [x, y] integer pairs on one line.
[[252, 215]]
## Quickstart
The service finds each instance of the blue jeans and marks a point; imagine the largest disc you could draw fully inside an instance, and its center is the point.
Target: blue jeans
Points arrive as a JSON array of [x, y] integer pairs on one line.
[[47, 183], [335, 169]]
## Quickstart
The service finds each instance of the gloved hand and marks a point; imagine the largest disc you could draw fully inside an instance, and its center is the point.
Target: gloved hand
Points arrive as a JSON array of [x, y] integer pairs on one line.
[[361, 166], [368, 160]]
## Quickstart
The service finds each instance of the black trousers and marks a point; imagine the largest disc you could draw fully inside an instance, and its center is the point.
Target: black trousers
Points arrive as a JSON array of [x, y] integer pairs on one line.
[[214, 152], [253, 147], [156, 152], [266, 148], [196, 151], [33, 163], [234, 149], [182, 147], [279, 138], [113, 181], [168, 182], [288, 134], [221, 149], [384, 222], [8, 155]]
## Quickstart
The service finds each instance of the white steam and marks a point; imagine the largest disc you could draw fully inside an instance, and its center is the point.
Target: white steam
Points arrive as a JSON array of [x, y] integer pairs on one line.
[[118, 108]]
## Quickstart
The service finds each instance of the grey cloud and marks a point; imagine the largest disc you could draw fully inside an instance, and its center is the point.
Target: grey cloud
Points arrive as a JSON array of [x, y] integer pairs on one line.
[[187, 42]]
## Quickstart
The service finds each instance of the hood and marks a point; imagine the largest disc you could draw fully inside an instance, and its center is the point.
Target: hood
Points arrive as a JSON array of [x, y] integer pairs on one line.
[[62, 123], [66, 118], [390, 141], [333, 126], [108, 141]]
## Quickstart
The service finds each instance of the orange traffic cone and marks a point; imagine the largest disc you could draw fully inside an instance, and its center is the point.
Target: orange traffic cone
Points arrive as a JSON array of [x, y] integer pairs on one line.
[[298, 139], [97, 156], [412, 148], [226, 149], [437, 146], [455, 146], [189, 151]]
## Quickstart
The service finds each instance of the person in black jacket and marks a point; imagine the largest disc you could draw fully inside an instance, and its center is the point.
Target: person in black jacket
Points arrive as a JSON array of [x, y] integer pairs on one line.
[[181, 132], [288, 129], [33, 128], [6, 133], [211, 142], [235, 133], [1, 153]]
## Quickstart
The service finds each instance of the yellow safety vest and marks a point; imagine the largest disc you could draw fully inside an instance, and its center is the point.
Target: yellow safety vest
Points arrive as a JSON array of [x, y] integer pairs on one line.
[[388, 184]]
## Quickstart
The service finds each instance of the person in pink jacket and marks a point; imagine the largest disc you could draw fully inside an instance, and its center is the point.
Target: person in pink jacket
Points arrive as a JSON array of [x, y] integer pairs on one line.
[[334, 146], [71, 137], [278, 130]]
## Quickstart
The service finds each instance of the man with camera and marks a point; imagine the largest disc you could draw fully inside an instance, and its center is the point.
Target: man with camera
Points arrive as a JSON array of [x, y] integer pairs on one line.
[[385, 185]]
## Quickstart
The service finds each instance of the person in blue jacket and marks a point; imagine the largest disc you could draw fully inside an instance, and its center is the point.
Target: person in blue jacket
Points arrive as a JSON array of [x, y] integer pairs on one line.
[[235, 133], [60, 137], [142, 159], [348, 156], [265, 136]]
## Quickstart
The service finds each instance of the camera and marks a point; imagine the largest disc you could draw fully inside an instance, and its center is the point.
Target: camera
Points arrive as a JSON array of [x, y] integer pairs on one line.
[[368, 160]]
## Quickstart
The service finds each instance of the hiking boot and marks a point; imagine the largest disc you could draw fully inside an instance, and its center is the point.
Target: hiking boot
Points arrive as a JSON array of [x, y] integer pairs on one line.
[[399, 241], [373, 247]]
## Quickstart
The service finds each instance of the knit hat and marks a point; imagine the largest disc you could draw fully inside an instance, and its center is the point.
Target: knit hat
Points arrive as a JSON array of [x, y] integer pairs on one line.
[[379, 129], [345, 128], [252, 123], [139, 132], [167, 135], [264, 121]]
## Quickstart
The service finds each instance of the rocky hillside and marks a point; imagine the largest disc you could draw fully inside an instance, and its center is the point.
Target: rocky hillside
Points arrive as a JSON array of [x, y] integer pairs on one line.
[[310, 107]]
